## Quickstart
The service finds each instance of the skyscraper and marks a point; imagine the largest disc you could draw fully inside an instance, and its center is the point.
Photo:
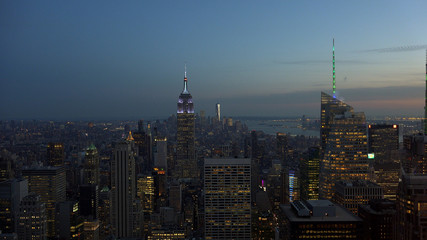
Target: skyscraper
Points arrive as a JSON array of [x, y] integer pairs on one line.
[[228, 198], [55, 154], [91, 166], [186, 166], [218, 112], [123, 188], [309, 172], [383, 141], [345, 143], [49, 183]]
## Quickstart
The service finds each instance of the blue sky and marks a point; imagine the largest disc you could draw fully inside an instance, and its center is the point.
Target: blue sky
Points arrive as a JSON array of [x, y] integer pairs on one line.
[[125, 60]]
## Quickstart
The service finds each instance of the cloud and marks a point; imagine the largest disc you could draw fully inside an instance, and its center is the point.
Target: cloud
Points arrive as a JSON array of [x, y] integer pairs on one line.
[[398, 49], [396, 100], [305, 62]]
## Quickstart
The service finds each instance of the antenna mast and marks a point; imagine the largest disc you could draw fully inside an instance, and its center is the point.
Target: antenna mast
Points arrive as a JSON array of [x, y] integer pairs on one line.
[[333, 68]]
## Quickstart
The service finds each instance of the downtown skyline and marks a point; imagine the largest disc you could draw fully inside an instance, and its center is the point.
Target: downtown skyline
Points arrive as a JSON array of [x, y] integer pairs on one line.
[[96, 61]]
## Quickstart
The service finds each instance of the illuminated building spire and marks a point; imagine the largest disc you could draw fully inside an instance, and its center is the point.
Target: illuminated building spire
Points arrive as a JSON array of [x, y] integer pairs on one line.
[[185, 91], [425, 105], [333, 68]]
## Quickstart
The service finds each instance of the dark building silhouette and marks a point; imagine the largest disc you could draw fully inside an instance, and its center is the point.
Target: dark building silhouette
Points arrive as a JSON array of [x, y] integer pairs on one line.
[[55, 154], [379, 217]]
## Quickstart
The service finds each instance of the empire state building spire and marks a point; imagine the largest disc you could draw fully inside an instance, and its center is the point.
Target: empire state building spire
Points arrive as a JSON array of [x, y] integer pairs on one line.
[[185, 100], [185, 90]]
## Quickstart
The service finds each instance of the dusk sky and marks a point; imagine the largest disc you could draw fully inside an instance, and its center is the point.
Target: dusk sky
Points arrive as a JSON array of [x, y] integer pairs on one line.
[[100, 60]]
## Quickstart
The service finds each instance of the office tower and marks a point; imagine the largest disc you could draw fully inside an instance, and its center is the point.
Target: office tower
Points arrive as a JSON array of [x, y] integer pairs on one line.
[[293, 185], [146, 192], [31, 220], [345, 156], [161, 152], [218, 112], [378, 219], [412, 207], [186, 166], [123, 188], [227, 198], [12, 191], [55, 154], [318, 219], [383, 141], [309, 174], [49, 183], [142, 139], [91, 166], [70, 223], [88, 201], [330, 107], [352, 194], [415, 160], [282, 147]]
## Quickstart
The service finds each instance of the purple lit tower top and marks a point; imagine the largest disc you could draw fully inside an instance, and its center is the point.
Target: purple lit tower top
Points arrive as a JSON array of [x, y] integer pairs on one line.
[[185, 101]]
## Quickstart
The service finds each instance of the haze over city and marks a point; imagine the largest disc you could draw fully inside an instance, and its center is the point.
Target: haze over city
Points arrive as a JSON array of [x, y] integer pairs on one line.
[[108, 60]]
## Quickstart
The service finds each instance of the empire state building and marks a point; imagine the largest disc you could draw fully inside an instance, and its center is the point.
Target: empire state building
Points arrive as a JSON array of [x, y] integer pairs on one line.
[[186, 163]]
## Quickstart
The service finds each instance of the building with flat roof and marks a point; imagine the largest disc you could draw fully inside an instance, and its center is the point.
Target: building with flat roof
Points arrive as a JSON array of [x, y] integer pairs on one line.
[[351, 194], [318, 219]]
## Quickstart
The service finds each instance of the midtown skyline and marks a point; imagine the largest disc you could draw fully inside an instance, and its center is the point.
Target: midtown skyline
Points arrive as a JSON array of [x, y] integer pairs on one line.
[[94, 61]]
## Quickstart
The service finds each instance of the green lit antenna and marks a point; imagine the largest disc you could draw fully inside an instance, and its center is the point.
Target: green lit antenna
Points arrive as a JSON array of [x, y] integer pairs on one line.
[[333, 68], [425, 104]]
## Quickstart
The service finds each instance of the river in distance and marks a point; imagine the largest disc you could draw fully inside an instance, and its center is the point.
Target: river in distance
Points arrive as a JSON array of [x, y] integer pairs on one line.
[[272, 126]]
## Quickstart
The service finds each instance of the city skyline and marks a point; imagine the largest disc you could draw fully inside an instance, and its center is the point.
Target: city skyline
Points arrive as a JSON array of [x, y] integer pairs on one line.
[[94, 61]]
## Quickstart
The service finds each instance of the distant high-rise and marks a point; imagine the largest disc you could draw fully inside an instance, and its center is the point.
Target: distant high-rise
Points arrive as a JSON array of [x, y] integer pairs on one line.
[[218, 112], [282, 147], [309, 174], [227, 198], [344, 143], [91, 166], [161, 152], [123, 188], [49, 183], [383, 141], [55, 154], [186, 166]]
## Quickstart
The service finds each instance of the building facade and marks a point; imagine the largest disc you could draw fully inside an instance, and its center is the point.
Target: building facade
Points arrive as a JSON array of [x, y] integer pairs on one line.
[[186, 163], [352, 194], [227, 198], [50, 184], [345, 153]]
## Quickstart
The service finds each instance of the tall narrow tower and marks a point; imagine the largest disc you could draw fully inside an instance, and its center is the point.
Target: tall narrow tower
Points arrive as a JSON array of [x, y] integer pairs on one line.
[[186, 163], [425, 106], [218, 112], [333, 68]]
